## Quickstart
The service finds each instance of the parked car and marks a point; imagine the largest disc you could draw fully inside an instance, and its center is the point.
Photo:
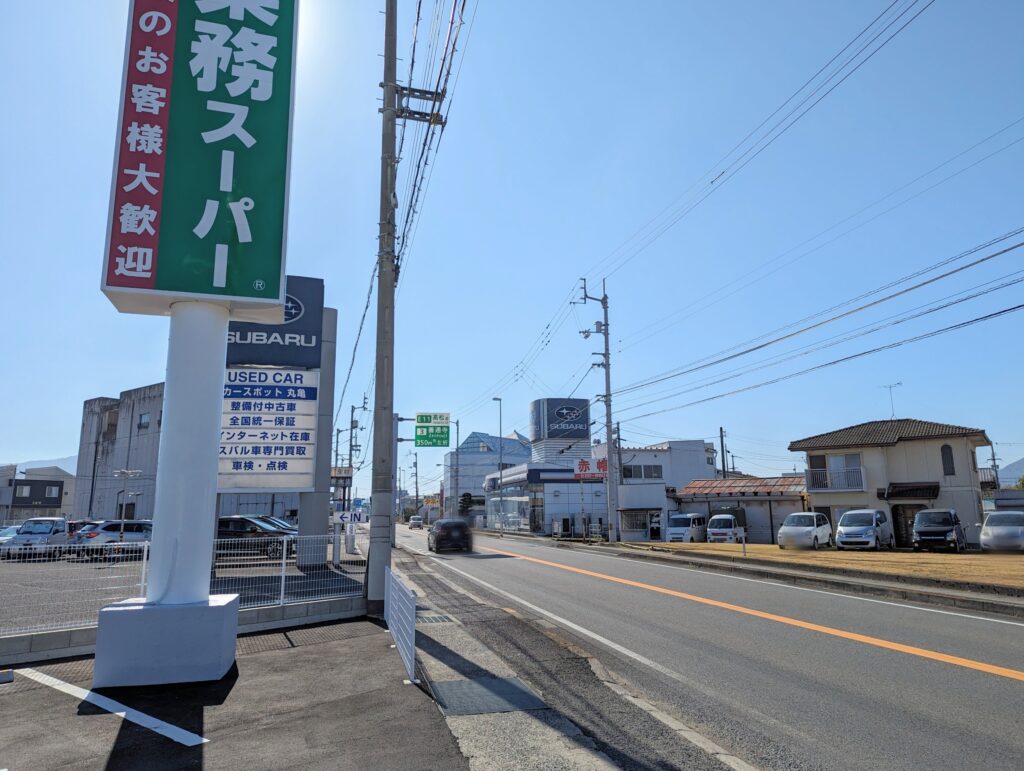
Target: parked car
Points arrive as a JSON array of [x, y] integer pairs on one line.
[[864, 529], [1003, 531], [282, 524], [416, 523], [7, 533], [938, 529], [38, 537], [805, 530], [450, 534], [98, 539], [728, 526], [251, 535], [687, 528]]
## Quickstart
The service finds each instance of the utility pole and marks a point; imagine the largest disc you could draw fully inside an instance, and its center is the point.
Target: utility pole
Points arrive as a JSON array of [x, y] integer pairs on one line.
[[416, 475], [382, 495], [396, 99], [614, 528], [721, 442], [995, 465], [455, 506], [501, 470]]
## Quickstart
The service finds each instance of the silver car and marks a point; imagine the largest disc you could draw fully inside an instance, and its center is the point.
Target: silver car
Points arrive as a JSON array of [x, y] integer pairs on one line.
[[111, 537], [864, 529], [805, 530], [1003, 531]]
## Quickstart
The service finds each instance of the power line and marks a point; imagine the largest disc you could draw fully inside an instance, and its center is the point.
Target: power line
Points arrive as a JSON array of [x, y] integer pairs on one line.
[[673, 319], [895, 320], [725, 356], [355, 347], [842, 360]]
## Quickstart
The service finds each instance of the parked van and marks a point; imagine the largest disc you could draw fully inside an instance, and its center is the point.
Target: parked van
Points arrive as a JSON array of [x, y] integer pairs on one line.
[[687, 528], [864, 529], [38, 537], [728, 526]]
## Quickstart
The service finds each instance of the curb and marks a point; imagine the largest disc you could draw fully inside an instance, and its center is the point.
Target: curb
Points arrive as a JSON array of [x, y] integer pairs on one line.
[[960, 599], [912, 582]]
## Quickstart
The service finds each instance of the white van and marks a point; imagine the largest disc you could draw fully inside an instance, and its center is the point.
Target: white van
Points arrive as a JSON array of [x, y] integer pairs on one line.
[[687, 528], [728, 526], [38, 537]]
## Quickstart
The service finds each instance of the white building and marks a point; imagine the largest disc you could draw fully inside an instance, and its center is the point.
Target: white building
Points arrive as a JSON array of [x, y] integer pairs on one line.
[[650, 475], [899, 466], [476, 457]]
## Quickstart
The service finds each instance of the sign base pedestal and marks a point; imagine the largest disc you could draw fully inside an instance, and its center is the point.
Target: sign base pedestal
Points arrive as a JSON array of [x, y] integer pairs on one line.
[[140, 643]]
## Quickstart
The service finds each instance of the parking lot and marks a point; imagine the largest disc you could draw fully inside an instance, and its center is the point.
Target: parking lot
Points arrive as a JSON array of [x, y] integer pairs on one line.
[[45, 595], [996, 569]]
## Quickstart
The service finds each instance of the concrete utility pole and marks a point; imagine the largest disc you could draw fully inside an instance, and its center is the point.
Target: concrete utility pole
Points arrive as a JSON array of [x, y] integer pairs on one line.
[[614, 527], [721, 442], [455, 510], [501, 468], [416, 474], [382, 494]]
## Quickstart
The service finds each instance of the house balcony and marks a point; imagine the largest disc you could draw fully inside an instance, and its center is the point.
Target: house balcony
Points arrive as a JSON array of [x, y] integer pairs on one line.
[[840, 480]]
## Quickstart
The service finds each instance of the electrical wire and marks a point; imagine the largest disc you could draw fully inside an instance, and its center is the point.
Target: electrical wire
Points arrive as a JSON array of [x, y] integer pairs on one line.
[[844, 359]]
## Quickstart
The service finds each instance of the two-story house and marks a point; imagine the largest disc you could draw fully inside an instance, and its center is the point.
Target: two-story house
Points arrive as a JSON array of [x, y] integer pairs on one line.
[[899, 466]]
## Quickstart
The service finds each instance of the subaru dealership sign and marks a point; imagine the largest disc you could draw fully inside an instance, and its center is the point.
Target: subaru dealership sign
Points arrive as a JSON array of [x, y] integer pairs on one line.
[[296, 342], [559, 419]]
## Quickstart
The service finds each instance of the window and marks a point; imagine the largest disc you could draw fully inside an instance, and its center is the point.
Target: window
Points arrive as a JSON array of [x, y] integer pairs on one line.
[[948, 469], [144, 420], [634, 520], [21, 491], [641, 472], [52, 491], [652, 472], [711, 461]]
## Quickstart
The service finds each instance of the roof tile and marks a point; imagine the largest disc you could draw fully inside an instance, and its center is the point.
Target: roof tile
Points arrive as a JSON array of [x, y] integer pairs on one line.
[[883, 432]]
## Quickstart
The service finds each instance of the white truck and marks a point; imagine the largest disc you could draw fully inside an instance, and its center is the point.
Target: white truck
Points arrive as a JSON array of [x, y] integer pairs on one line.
[[728, 525], [687, 527]]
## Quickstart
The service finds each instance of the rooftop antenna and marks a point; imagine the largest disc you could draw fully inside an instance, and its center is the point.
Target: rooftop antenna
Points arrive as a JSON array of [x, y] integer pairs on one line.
[[892, 407]]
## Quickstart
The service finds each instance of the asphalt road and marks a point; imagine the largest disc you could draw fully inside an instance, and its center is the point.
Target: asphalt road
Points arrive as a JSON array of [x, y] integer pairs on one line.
[[782, 676]]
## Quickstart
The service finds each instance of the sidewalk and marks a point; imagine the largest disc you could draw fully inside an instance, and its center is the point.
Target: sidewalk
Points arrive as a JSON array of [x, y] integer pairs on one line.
[[329, 696]]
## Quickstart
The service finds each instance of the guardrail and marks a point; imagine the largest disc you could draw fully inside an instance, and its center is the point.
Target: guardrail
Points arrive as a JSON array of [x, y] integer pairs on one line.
[[400, 616], [48, 589]]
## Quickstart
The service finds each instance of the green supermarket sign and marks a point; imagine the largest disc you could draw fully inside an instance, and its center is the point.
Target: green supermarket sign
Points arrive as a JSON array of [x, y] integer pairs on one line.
[[200, 189]]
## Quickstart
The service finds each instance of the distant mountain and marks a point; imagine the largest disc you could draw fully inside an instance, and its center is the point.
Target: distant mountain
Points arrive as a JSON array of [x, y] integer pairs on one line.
[[69, 464], [1010, 473]]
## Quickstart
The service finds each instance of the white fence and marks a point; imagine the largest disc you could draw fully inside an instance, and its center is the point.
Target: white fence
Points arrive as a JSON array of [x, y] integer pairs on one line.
[[400, 616], [49, 591]]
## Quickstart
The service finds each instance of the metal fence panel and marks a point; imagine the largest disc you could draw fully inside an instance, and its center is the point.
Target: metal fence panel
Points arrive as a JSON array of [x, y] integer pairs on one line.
[[400, 616], [51, 590]]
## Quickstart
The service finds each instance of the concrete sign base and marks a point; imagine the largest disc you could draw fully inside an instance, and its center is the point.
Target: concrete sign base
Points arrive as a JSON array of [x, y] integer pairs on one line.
[[140, 643]]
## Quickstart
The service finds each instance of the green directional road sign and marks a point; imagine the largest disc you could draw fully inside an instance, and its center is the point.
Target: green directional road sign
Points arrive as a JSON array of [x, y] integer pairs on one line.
[[433, 429]]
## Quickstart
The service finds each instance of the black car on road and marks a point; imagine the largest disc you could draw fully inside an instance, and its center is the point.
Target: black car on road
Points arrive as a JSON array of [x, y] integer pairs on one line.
[[449, 534], [251, 535]]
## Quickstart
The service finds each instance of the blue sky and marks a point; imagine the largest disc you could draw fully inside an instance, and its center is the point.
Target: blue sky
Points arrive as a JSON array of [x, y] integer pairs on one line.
[[572, 126]]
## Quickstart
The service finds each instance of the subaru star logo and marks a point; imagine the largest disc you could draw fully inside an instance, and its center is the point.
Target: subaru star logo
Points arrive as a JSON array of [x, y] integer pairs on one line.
[[292, 309], [567, 413]]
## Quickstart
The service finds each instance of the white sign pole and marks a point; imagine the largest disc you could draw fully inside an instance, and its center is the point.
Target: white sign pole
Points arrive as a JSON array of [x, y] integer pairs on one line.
[[186, 477], [179, 633]]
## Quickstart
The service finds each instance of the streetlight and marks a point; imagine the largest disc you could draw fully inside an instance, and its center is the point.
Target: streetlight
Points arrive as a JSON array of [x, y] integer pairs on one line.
[[125, 474], [501, 467]]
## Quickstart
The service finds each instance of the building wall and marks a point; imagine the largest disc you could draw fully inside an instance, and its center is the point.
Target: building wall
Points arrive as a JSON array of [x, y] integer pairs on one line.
[[912, 461], [67, 502], [474, 464], [112, 437]]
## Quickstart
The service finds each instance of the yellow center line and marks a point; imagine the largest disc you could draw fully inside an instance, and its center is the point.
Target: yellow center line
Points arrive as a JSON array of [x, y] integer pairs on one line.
[[924, 653]]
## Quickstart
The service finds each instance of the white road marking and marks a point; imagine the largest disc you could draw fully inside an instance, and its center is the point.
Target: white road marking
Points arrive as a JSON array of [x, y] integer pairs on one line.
[[180, 735], [716, 574], [698, 740]]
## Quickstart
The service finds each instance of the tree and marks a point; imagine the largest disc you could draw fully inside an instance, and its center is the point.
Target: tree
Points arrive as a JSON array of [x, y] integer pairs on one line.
[[465, 503], [1020, 484]]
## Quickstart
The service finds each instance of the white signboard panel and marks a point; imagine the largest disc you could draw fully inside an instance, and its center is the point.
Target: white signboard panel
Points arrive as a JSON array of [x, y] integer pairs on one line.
[[268, 430]]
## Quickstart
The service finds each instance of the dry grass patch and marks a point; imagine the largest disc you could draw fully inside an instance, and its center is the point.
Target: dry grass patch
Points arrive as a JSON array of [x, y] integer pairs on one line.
[[997, 569]]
